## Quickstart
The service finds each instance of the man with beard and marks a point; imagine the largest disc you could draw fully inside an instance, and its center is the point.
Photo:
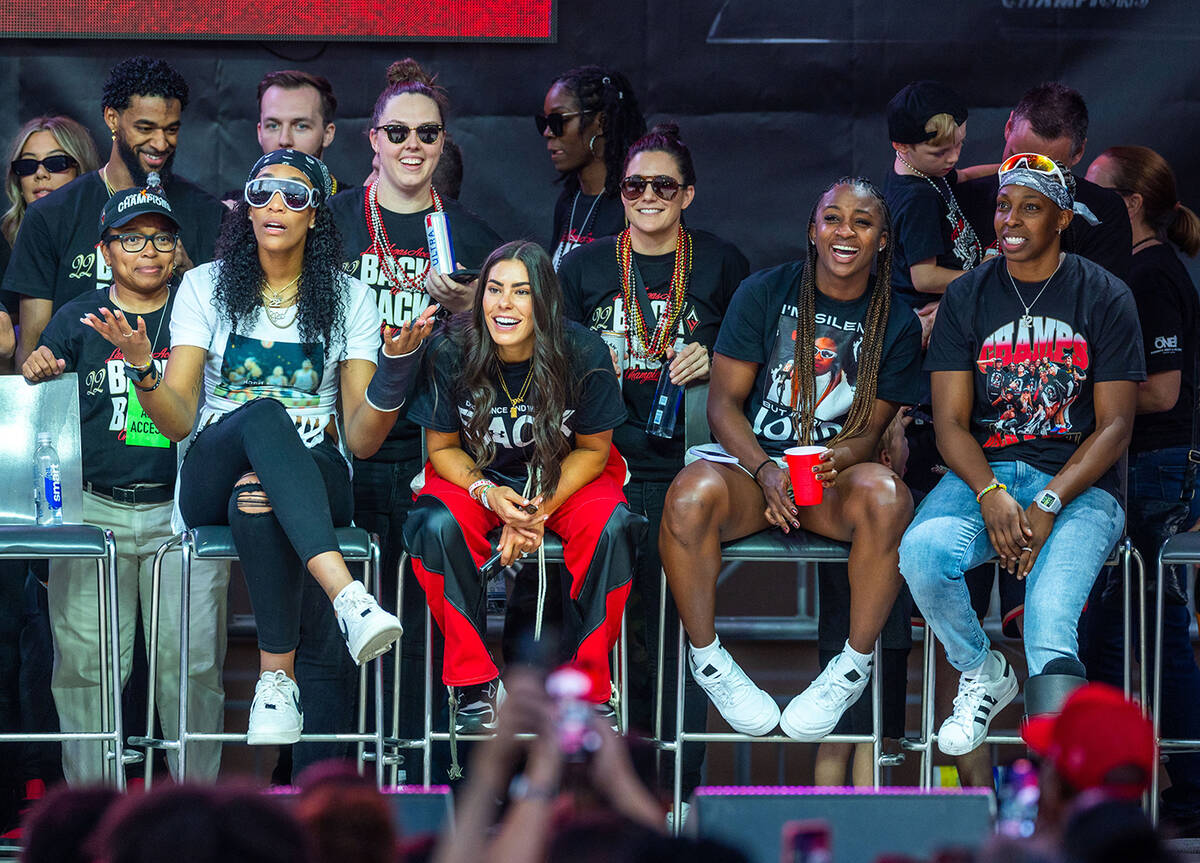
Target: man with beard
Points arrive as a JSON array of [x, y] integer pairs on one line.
[[55, 257]]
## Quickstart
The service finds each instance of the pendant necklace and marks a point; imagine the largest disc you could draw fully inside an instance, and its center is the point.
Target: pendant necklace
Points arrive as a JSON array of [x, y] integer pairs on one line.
[[520, 399], [277, 313], [967, 247], [1027, 318]]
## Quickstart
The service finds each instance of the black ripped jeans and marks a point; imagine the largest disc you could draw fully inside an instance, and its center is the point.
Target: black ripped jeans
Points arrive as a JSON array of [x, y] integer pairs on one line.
[[308, 492]]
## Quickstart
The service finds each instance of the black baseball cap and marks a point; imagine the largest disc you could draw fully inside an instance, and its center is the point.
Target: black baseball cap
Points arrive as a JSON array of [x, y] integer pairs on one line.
[[126, 205], [911, 108]]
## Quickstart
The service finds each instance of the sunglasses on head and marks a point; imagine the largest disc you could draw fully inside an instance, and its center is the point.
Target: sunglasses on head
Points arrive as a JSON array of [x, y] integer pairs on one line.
[[427, 133], [294, 194], [1034, 162], [555, 122], [53, 164], [633, 187]]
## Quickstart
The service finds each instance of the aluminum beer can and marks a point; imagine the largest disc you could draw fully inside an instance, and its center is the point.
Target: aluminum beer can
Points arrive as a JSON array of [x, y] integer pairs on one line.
[[441, 250]]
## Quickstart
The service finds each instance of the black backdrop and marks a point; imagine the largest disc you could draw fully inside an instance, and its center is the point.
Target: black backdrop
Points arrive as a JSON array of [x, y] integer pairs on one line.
[[775, 99]]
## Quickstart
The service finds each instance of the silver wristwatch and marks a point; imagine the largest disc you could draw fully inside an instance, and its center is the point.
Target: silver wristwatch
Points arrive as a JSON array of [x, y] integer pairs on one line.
[[1048, 501]]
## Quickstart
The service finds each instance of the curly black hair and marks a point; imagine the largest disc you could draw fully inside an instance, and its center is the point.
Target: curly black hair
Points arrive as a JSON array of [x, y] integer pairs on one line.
[[143, 76], [237, 294]]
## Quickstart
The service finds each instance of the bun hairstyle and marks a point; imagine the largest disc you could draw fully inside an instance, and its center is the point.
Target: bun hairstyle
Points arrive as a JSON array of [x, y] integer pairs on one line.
[[605, 91], [407, 76], [664, 138], [1142, 171]]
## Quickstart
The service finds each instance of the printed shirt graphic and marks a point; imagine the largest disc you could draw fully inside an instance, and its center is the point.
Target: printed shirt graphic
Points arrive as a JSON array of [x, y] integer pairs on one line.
[[439, 403], [592, 295], [108, 460], [267, 361], [56, 256], [1034, 380], [924, 229], [473, 241], [761, 328]]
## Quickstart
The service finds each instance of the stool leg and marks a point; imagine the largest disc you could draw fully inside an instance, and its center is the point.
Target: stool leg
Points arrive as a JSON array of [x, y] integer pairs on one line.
[[928, 691], [677, 798], [660, 662], [1127, 616], [375, 572], [185, 624], [1157, 675], [427, 760], [361, 746], [114, 631], [152, 657], [877, 713], [396, 666]]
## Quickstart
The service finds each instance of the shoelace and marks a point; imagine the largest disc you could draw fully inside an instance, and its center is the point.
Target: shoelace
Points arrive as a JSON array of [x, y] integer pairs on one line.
[[356, 602], [729, 682], [966, 702], [832, 685], [272, 691]]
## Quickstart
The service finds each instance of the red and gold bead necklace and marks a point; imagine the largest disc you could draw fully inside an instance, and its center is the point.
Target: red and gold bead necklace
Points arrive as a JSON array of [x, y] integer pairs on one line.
[[664, 332], [382, 246]]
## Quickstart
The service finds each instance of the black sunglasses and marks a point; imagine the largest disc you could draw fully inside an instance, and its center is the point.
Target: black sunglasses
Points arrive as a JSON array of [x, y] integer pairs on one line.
[[555, 122], [53, 164], [397, 133], [633, 187]]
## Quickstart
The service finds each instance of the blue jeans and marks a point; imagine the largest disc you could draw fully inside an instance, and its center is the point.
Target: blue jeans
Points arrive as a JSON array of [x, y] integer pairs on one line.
[[948, 537]]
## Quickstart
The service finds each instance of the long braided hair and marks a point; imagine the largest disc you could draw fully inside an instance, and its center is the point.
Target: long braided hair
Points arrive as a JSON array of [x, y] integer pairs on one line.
[[607, 91], [804, 386]]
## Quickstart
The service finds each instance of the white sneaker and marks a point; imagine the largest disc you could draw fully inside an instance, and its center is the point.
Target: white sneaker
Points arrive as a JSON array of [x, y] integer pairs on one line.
[[815, 712], [747, 709], [976, 705], [275, 713], [368, 629]]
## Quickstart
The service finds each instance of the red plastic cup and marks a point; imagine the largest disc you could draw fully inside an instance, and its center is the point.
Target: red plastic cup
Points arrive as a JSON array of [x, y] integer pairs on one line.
[[800, 460]]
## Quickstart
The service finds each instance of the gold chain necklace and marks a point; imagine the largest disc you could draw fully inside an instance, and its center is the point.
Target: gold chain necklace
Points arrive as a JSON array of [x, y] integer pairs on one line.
[[520, 399]]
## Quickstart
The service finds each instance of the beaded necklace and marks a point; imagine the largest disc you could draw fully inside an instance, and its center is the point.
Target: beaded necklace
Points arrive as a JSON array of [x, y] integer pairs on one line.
[[967, 247], [640, 344], [382, 246]]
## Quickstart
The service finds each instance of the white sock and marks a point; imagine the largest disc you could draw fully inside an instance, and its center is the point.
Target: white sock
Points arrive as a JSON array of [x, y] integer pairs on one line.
[[702, 655], [991, 667], [862, 661]]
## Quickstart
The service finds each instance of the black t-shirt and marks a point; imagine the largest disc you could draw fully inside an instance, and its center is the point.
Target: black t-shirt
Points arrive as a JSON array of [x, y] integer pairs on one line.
[[1033, 384], [56, 255], [580, 219], [761, 328], [104, 394], [593, 403], [923, 230], [472, 239], [1167, 306], [1108, 243], [592, 295]]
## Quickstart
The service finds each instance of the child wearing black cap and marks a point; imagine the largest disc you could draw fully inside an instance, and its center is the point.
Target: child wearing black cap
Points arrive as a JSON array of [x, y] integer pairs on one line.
[[933, 242]]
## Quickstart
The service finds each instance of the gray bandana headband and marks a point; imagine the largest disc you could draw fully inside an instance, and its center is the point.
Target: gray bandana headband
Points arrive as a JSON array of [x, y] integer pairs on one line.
[[314, 169], [1039, 182]]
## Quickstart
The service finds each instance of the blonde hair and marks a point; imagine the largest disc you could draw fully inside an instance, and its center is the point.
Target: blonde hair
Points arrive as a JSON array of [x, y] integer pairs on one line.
[[72, 137], [943, 128]]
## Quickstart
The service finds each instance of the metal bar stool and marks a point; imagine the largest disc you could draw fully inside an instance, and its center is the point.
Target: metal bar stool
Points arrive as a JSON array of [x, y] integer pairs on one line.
[[1182, 549], [216, 543], [87, 542], [1124, 555], [620, 664], [767, 546]]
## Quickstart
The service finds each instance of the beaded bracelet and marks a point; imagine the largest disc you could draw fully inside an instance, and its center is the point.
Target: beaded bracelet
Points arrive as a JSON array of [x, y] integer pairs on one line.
[[475, 486], [994, 485]]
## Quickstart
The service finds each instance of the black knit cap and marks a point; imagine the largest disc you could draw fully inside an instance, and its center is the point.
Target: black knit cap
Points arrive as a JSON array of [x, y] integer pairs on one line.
[[911, 108]]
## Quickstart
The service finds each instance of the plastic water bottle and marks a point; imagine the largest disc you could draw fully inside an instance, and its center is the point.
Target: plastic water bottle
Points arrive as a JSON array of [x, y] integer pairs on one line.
[[47, 481], [665, 406]]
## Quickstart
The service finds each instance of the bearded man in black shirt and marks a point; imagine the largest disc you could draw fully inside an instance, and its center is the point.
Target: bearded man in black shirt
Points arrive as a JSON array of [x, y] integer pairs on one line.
[[55, 257]]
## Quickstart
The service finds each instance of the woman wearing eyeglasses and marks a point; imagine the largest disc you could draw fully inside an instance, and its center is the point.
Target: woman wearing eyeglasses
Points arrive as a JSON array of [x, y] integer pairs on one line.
[[268, 460], [385, 246], [518, 411], [1035, 360], [591, 117], [656, 292]]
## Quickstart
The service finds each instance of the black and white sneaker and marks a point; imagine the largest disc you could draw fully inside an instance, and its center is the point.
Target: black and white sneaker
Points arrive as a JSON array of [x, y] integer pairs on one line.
[[476, 706], [978, 701], [275, 713], [369, 631], [608, 713]]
